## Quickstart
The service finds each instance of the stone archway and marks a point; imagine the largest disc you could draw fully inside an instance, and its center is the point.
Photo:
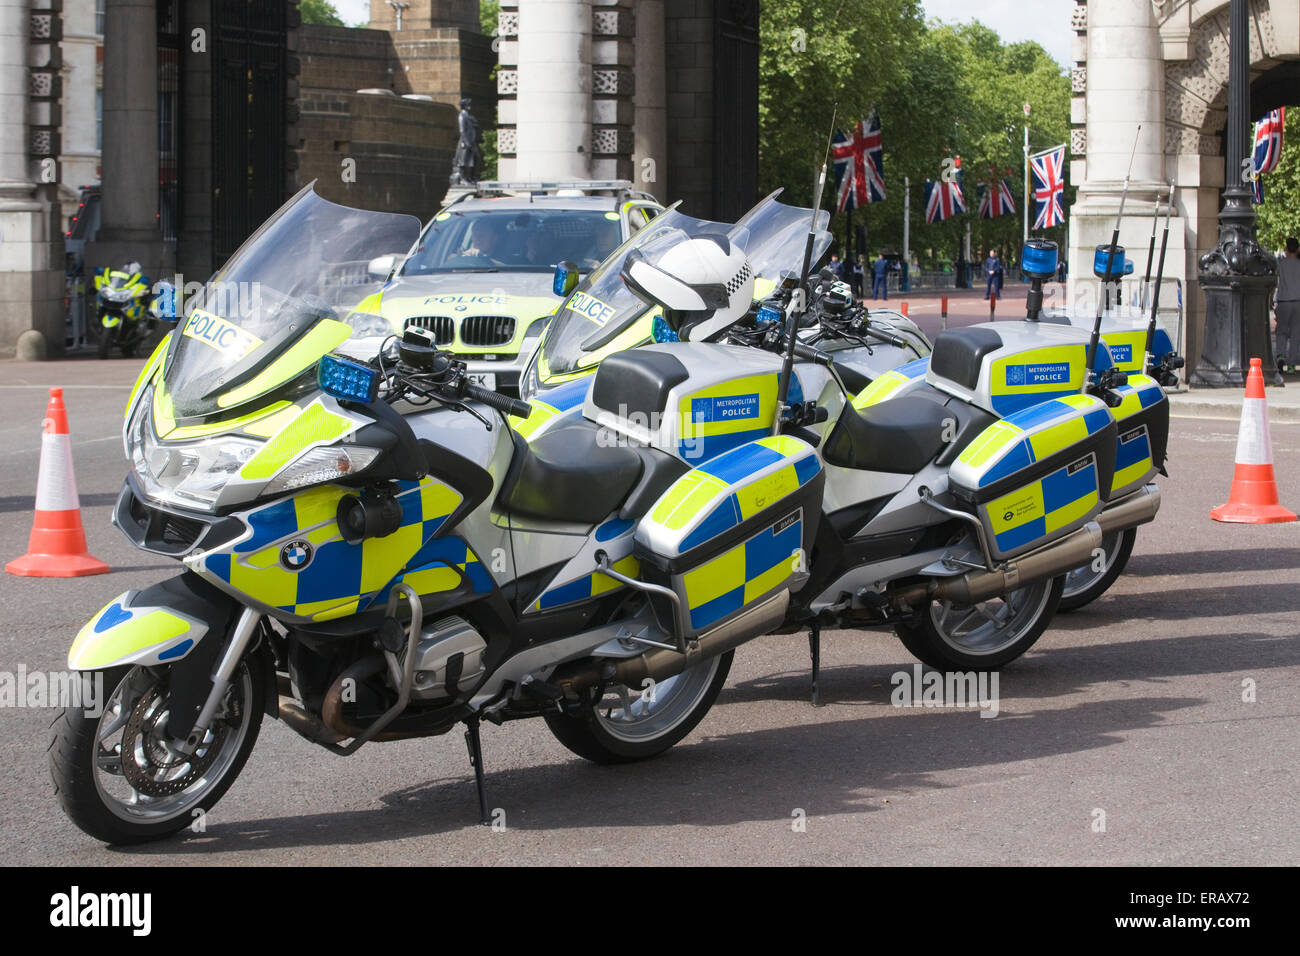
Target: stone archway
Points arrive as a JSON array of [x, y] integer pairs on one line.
[[1177, 49]]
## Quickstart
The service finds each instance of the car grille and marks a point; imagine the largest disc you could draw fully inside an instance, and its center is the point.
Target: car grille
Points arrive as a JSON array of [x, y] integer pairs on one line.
[[482, 331], [443, 327]]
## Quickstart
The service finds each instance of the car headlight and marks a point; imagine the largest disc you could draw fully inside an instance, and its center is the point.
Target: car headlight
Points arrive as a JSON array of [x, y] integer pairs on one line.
[[537, 327]]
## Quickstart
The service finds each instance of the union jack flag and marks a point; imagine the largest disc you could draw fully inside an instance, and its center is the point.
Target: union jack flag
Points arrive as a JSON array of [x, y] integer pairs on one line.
[[1047, 183], [942, 200], [859, 165], [995, 200], [1268, 148]]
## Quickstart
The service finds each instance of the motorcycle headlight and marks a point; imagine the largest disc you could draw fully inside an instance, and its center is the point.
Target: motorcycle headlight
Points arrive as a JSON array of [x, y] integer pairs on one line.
[[189, 474], [118, 295]]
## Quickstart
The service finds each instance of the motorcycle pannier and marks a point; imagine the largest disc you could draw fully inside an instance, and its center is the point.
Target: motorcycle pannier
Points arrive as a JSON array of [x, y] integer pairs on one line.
[[1142, 419], [1039, 474], [732, 532]]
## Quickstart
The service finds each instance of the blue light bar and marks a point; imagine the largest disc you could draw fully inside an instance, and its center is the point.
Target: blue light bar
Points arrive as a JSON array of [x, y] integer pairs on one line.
[[1038, 259], [767, 316], [347, 381], [1101, 257]]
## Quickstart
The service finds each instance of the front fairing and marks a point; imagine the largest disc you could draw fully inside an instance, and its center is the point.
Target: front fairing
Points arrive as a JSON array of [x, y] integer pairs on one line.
[[287, 297]]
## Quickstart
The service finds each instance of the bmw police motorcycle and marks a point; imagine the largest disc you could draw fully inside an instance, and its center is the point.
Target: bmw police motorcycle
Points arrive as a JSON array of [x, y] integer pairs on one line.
[[121, 317], [372, 552]]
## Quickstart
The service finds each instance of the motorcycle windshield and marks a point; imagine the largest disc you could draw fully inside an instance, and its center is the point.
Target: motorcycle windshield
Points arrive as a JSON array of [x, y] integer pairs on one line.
[[288, 296], [602, 308]]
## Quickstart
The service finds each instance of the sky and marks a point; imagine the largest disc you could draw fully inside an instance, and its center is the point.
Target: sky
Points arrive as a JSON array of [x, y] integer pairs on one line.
[[1047, 21]]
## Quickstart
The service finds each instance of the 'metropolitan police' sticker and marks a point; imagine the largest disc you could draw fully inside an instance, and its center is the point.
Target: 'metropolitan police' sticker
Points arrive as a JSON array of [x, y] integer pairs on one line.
[[1048, 373]]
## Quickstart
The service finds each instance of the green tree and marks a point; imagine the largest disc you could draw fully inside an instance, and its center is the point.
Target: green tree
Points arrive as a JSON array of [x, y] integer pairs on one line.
[[1279, 217], [320, 13], [487, 11]]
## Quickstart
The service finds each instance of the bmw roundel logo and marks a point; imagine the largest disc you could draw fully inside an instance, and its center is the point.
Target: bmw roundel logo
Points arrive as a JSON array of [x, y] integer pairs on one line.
[[296, 555], [460, 308]]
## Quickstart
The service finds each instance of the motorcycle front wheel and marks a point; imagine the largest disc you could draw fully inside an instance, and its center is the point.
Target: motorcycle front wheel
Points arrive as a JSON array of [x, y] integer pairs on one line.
[[1090, 581], [118, 777], [105, 341], [982, 636], [636, 723]]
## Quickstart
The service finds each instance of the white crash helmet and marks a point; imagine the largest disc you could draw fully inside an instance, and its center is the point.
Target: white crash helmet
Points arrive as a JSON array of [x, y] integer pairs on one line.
[[703, 284], [132, 268]]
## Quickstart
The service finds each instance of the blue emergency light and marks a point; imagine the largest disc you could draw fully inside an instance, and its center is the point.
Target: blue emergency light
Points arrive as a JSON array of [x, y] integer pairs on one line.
[[347, 381], [1038, 259]]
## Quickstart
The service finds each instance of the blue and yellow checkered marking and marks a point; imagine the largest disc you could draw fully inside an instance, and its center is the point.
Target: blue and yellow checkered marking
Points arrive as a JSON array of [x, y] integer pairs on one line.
[[890, 384], [743, 574], [341, 578], [1134, 465], [588, 586], [1032, 435], [1066, 496], [707, 490], [550, 405]]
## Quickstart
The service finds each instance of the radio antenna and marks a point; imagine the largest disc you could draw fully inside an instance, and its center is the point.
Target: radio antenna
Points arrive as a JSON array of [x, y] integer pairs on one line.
[[1110, 261]]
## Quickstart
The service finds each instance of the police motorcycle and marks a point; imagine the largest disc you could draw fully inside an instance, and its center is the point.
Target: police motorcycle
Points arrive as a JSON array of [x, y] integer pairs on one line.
[[372, 554], [120, 318]]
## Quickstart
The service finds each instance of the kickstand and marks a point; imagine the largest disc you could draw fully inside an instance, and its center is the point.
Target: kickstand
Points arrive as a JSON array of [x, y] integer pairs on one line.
[[815, 650], [476, 760]]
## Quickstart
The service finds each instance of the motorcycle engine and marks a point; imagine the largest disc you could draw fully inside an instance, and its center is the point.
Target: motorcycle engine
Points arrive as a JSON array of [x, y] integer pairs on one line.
[[449, 658]]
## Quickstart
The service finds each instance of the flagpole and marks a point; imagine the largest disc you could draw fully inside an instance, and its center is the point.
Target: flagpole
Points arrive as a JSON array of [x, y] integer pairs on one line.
[[907, 220], [1025, 237]]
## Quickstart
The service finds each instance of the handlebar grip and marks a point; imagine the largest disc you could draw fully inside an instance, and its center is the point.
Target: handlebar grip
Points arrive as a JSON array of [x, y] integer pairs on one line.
[[502, 403], [811, 354], [894, 340]]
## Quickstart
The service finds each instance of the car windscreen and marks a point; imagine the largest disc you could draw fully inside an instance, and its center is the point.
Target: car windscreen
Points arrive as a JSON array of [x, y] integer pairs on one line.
[[513, 240]]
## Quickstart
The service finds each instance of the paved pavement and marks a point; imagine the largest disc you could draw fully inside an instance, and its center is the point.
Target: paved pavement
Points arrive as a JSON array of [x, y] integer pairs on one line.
[[1132, 708]]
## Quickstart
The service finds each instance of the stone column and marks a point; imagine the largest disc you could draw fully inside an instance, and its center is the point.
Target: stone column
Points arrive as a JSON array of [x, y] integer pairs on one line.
[[1124, 87], [650, 101], [554, 102], [31, 280], [128, 224]]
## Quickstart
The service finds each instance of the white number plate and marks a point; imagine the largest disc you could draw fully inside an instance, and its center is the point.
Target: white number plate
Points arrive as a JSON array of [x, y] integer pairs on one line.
[[483, 379]]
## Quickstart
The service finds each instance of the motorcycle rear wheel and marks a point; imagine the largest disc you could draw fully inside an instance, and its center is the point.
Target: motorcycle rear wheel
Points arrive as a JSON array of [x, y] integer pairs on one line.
[[1084, 584], [100, 765], [984, 636], [630, 724]]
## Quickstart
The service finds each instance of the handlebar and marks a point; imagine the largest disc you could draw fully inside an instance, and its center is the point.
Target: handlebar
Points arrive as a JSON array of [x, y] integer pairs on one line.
[[502, 403], [810, 353]]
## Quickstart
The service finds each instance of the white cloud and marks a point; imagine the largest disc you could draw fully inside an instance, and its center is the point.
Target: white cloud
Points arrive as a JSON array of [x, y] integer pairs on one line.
[[1047, 21], [353, 12]]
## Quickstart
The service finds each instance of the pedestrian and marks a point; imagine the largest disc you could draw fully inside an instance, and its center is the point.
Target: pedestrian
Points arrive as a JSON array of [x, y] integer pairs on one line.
[[859, 275], [1287, 303], [992, 273], [837, 266], [879, 281]]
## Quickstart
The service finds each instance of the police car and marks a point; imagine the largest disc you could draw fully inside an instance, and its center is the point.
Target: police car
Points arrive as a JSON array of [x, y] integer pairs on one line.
[[480, 277]]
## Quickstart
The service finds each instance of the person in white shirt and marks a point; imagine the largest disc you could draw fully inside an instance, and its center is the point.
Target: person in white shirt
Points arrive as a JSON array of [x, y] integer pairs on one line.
[[1287, 303]]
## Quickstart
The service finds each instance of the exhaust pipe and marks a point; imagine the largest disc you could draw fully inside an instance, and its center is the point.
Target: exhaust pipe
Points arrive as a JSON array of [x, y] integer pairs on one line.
[[660, 664], [1058, 557]]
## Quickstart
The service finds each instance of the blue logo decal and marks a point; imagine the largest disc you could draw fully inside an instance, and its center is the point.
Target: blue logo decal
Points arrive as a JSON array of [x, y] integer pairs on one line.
[[726, 408], [1053, 373], [114, 615]]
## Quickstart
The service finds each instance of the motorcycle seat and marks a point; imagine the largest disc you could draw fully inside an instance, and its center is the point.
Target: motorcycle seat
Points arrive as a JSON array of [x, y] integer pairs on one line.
[[568, 474], [902, 435]]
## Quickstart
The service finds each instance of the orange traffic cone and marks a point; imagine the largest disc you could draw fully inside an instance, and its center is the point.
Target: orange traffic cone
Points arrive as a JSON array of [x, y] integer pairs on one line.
[[1253, 499], [57, 547]]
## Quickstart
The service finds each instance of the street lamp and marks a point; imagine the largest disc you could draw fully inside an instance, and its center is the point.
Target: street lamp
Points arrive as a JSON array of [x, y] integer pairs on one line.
[[1237, 275]]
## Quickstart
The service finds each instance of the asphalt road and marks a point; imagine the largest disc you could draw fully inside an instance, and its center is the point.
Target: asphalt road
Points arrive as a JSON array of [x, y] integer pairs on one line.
[[1133, 707]]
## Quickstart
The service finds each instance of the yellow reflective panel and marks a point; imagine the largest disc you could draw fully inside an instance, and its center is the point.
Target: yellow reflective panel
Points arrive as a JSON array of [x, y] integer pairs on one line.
[[150, 368], [313, 426], [325, 336]]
